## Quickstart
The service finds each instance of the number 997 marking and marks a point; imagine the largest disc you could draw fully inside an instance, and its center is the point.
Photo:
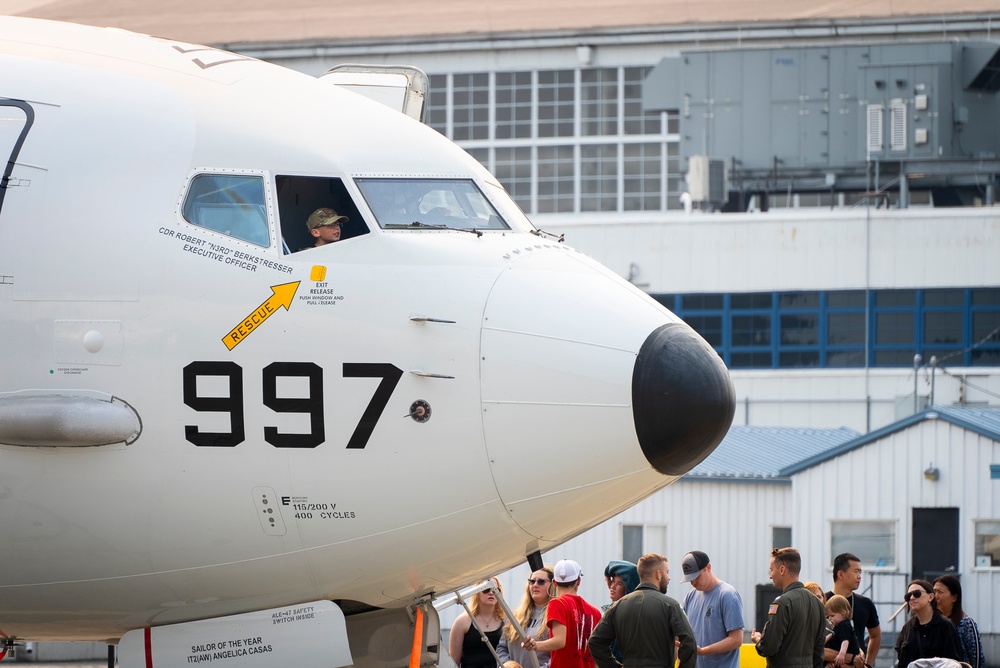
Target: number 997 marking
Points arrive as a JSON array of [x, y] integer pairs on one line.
[[312, 405]]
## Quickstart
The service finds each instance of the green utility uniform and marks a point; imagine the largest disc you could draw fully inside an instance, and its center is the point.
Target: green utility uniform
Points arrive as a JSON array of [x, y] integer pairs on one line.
[[644, 624], [795, 631]]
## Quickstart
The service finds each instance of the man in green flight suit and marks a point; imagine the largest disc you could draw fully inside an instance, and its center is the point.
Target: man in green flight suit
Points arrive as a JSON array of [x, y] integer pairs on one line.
[[795, 631]]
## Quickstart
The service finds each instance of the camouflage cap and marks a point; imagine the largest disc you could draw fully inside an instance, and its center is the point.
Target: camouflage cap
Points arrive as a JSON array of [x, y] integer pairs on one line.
[[324, 216]]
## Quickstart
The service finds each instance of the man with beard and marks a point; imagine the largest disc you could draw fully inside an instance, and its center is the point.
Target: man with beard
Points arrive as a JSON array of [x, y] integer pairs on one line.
[[645, 623]]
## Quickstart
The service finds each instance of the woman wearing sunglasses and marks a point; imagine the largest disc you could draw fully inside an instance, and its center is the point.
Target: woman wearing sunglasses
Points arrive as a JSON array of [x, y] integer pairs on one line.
[[531, 616], [927, 633], [465, 644]]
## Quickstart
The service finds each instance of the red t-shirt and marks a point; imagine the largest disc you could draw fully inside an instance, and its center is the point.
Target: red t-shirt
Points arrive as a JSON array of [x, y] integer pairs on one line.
[[579, 618]]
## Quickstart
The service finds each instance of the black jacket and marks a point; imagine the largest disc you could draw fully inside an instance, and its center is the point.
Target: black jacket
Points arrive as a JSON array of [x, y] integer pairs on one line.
[[936, 638]]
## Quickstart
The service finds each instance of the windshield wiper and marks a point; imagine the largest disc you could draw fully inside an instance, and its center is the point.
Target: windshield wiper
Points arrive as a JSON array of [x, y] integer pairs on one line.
[[425, 226], [539, 232]]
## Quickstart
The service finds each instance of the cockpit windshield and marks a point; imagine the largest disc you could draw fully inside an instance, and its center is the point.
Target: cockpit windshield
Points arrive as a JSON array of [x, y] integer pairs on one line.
[[418, 204]]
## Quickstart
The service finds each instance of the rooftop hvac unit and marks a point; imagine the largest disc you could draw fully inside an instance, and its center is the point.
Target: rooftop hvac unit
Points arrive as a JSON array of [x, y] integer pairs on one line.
[[708, 180]]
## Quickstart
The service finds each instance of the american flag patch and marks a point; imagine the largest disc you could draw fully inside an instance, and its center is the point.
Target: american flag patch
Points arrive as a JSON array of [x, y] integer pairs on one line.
[[772, 609]]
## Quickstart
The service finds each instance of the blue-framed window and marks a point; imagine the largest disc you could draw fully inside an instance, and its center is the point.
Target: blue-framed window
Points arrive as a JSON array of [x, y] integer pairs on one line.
[[985, 321], [846, 328]]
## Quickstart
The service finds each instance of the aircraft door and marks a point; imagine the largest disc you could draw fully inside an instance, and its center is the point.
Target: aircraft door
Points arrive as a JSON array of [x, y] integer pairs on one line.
[[16, 118]]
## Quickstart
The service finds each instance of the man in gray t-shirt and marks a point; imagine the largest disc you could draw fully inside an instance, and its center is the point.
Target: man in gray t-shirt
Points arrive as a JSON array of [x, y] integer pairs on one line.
[[715, 611]]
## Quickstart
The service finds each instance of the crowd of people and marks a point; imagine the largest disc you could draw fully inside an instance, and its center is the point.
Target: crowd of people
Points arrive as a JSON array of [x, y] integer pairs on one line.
[[642, 627]]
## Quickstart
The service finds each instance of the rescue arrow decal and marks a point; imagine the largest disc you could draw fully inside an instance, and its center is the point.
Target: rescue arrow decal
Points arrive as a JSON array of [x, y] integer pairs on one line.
[[281, 295]]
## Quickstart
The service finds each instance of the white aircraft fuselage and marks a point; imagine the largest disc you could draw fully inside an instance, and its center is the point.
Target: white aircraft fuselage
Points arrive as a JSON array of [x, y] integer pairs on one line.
[[201, 415]]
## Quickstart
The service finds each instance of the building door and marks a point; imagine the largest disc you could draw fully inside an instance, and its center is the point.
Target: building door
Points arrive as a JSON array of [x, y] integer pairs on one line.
[[935, 542]]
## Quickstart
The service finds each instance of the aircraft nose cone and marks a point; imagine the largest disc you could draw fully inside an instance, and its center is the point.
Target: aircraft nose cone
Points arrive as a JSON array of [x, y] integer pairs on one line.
[[682, 399]]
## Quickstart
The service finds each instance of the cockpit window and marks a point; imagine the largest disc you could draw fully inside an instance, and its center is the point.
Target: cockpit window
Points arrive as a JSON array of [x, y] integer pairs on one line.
[[230, 204], [300, 197], [414, 204]]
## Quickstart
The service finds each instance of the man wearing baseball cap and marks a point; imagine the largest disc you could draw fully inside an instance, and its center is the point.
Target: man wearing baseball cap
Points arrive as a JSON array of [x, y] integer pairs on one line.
[[715, 611], [570, 619]]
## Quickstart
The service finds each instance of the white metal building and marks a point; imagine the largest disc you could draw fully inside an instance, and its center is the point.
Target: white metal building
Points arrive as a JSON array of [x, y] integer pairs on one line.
[[930, 502]]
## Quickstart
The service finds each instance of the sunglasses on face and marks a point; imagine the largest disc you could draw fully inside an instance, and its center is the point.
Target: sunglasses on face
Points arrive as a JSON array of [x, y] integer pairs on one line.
[[538, 581], [917, 593]]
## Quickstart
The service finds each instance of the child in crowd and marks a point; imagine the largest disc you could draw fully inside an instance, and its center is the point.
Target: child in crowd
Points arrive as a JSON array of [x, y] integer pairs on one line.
[[838, 612], [817, 591]]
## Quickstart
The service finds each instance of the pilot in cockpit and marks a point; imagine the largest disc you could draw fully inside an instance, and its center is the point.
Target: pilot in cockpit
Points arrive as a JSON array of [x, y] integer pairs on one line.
[[324, 224]]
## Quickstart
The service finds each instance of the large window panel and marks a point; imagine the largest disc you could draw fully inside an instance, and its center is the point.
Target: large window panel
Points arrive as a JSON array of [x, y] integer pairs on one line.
[[800, 329], [470, 106], [599, 102], [599, 177], [642, 177], [942, 327], [894, 328], [846, 329], [513, 105], [556, 97], [555, 179], [873, 541], [751, 330]]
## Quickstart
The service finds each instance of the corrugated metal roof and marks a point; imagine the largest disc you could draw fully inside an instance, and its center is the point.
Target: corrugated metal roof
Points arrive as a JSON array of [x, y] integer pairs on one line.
[[750, 452], [258, 21], [983, 421]]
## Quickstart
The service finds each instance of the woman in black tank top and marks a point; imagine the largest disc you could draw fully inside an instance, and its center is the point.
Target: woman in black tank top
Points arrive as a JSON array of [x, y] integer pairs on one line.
[[465, 645]]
